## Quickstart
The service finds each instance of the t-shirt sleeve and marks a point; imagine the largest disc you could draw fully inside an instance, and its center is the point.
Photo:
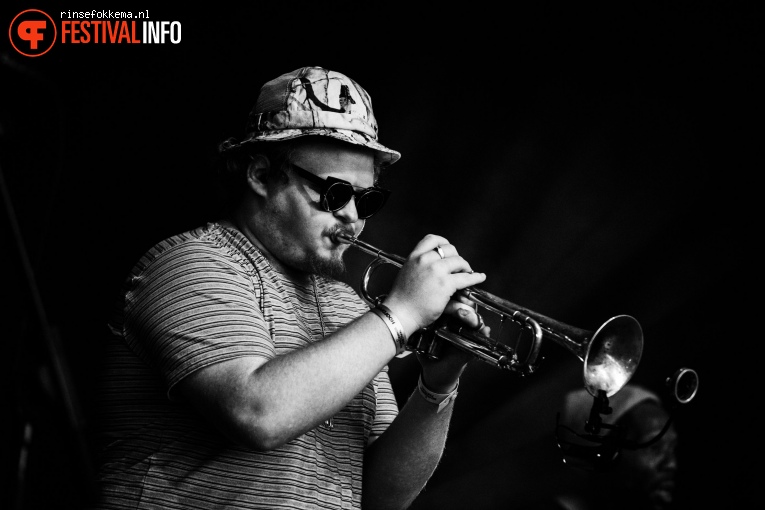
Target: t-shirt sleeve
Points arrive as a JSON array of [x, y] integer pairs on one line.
[[387, 407], [191, 307]]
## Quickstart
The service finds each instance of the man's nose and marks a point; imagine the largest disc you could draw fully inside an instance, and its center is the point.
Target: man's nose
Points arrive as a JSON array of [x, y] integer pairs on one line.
[[348, 214]]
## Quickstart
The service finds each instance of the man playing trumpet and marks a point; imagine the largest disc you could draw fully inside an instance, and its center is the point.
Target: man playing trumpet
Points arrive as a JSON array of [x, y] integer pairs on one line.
[[241, 373]]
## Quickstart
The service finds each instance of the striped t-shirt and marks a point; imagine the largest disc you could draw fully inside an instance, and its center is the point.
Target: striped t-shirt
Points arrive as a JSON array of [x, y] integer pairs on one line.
[[199, 298]]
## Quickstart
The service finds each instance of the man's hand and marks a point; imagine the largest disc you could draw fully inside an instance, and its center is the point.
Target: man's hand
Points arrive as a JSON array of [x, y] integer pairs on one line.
[[441, 375], [424, 286]]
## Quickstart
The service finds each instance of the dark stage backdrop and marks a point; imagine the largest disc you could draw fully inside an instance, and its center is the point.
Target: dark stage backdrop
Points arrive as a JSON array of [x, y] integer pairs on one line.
[[592, 160]]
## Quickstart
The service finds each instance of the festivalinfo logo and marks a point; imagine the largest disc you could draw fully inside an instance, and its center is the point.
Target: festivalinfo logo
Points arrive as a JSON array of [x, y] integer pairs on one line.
[[34, 32]]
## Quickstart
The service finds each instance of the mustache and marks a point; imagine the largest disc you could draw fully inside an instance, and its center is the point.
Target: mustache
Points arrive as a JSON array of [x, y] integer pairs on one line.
[[333, 232]]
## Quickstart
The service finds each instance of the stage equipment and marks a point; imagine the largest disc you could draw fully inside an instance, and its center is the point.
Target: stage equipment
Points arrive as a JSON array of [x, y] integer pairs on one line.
[[602, 443]]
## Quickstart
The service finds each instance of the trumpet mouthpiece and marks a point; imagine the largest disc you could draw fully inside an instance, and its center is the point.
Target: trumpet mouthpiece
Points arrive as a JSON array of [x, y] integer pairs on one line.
[[343, 238]]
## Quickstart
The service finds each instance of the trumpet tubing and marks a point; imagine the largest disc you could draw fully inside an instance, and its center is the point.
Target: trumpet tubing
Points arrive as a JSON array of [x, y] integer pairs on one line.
[[610, 355]]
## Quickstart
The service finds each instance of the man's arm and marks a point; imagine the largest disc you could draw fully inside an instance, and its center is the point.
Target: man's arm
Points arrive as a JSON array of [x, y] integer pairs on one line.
[[266, 403], [401, 461], [398, 464], [263, 404]]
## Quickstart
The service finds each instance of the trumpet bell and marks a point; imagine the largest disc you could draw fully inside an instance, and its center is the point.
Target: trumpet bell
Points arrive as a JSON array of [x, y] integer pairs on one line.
[[612, 355]]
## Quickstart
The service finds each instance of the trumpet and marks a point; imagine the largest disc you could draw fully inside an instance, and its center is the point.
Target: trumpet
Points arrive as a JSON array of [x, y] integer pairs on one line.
[[610, 355]]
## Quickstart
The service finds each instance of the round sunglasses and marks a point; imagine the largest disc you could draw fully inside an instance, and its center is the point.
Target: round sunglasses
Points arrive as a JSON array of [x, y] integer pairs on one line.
[[336, 193]]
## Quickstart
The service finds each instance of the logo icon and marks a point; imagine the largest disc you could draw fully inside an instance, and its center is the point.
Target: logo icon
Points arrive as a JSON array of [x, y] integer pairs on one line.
[[32, 33]]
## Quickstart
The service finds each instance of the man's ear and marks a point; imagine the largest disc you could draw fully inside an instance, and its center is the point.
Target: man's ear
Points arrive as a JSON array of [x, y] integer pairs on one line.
[[257, 175]]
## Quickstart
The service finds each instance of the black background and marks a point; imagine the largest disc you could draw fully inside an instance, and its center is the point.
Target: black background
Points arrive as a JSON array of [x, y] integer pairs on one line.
[[592, 160]]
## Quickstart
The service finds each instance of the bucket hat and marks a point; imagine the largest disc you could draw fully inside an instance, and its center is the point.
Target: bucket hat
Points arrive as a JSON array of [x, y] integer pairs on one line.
[[319, 102]]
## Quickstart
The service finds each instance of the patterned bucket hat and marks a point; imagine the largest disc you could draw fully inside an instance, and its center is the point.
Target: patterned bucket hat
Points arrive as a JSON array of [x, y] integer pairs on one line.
[[315, 101]]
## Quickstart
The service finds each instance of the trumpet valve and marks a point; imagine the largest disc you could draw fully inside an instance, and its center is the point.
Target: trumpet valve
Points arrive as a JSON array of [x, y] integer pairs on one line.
[[425, 342]]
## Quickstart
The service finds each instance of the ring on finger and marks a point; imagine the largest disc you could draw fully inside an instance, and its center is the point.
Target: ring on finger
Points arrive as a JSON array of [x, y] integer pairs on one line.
[[440, 252]]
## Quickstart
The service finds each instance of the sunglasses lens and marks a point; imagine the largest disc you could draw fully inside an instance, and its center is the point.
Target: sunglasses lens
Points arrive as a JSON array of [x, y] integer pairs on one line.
[[369, 203], [337, 196]]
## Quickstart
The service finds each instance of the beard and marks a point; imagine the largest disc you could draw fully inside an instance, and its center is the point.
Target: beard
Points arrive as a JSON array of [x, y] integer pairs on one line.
[[332, 267]]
